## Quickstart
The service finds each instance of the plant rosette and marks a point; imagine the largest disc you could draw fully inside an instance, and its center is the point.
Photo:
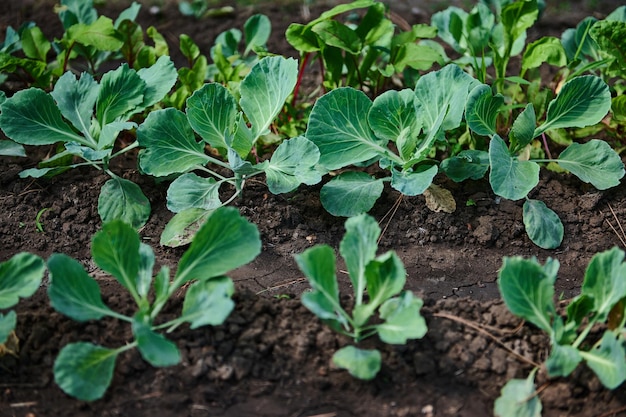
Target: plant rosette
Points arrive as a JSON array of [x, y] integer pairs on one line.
[[378, 283], [224, 242]]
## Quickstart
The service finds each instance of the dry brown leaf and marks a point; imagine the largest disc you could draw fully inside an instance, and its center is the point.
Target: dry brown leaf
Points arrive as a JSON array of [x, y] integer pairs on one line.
[[439, 199]]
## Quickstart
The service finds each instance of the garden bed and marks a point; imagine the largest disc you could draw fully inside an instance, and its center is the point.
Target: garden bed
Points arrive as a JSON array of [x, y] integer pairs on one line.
[[272, 357]]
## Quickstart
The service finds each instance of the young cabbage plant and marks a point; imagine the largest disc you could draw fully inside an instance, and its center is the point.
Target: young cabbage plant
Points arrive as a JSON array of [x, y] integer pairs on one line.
[[364, 55], [527, 289], [212, 112], [84, 117], [398, 130], [93, 38], [20, 277], [225, 242], [377, 282], [582, 101]]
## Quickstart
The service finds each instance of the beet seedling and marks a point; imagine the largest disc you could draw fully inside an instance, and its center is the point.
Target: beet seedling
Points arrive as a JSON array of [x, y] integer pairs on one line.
[[377, 282]]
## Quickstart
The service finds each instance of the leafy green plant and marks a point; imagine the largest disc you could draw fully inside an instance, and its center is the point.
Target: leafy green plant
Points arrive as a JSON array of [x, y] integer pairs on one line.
[[212, 112], [20, 277], [364, 55], [527, 288], [230, 63], [85, 118], [582, 101], [225, 242], [87, 39], [377, 282], [487, 36], [398, 130]]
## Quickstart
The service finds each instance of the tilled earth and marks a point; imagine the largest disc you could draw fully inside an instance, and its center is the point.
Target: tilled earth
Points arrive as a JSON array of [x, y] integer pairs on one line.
[[272, 357]]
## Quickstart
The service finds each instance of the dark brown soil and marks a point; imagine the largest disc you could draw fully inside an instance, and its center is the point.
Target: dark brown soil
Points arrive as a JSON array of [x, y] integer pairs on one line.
[[272, 357]]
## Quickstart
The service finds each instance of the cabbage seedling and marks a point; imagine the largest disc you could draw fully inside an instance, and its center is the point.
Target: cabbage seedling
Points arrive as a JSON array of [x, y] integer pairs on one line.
[[377, 282], [225, 242]]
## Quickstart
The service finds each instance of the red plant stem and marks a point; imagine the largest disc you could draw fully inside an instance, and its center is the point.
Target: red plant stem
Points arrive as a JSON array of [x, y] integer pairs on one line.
[[305, 59], [545, 145]]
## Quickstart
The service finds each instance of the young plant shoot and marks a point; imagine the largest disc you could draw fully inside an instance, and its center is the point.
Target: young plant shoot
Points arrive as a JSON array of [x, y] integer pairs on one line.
[[350, 129], [377, 282], [582, 101], [86, 116], [171, 147], [20, 277], [527, 288], [225, 242]]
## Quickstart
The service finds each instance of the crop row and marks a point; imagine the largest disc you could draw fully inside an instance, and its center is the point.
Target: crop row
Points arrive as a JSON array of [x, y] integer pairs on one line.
[[393, 108]]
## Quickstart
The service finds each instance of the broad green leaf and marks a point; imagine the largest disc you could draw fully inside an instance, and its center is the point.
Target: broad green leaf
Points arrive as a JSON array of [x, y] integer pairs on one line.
[[191, 191], [593, 162], [171, 146], [72, 292], [578, 42], [518, 399], [543, 225], [607, 360], [10, 148], [115, 249], [416, 56], [100, 34], [444, 91], [212, 112], [20, 276], [159, 80], [154, 347], [358, 248], [225, 242], [583, 101], [609, 36], [181, 228], [360, 363], [76, 99], [402, 319], [146, 266], [31, 117], [482, 110], [393, 117], [208, 302], [334, 33], [34, 44], [130, 13], [293, 163], [618, 108], [351, 193], [385, 277], [121, 93], [412, 183], [302, 38], [257, 30], [7, 325], [545, 50], [509, 177], [77, 11], [449, 24], [265, 89], [338, 126], [318, 265], [467, 164], [107, 138], [123, 199], [518, 16], [528, 290], [604, 281], [161, 285], [562, 361], [523, 129], [84, 370]]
